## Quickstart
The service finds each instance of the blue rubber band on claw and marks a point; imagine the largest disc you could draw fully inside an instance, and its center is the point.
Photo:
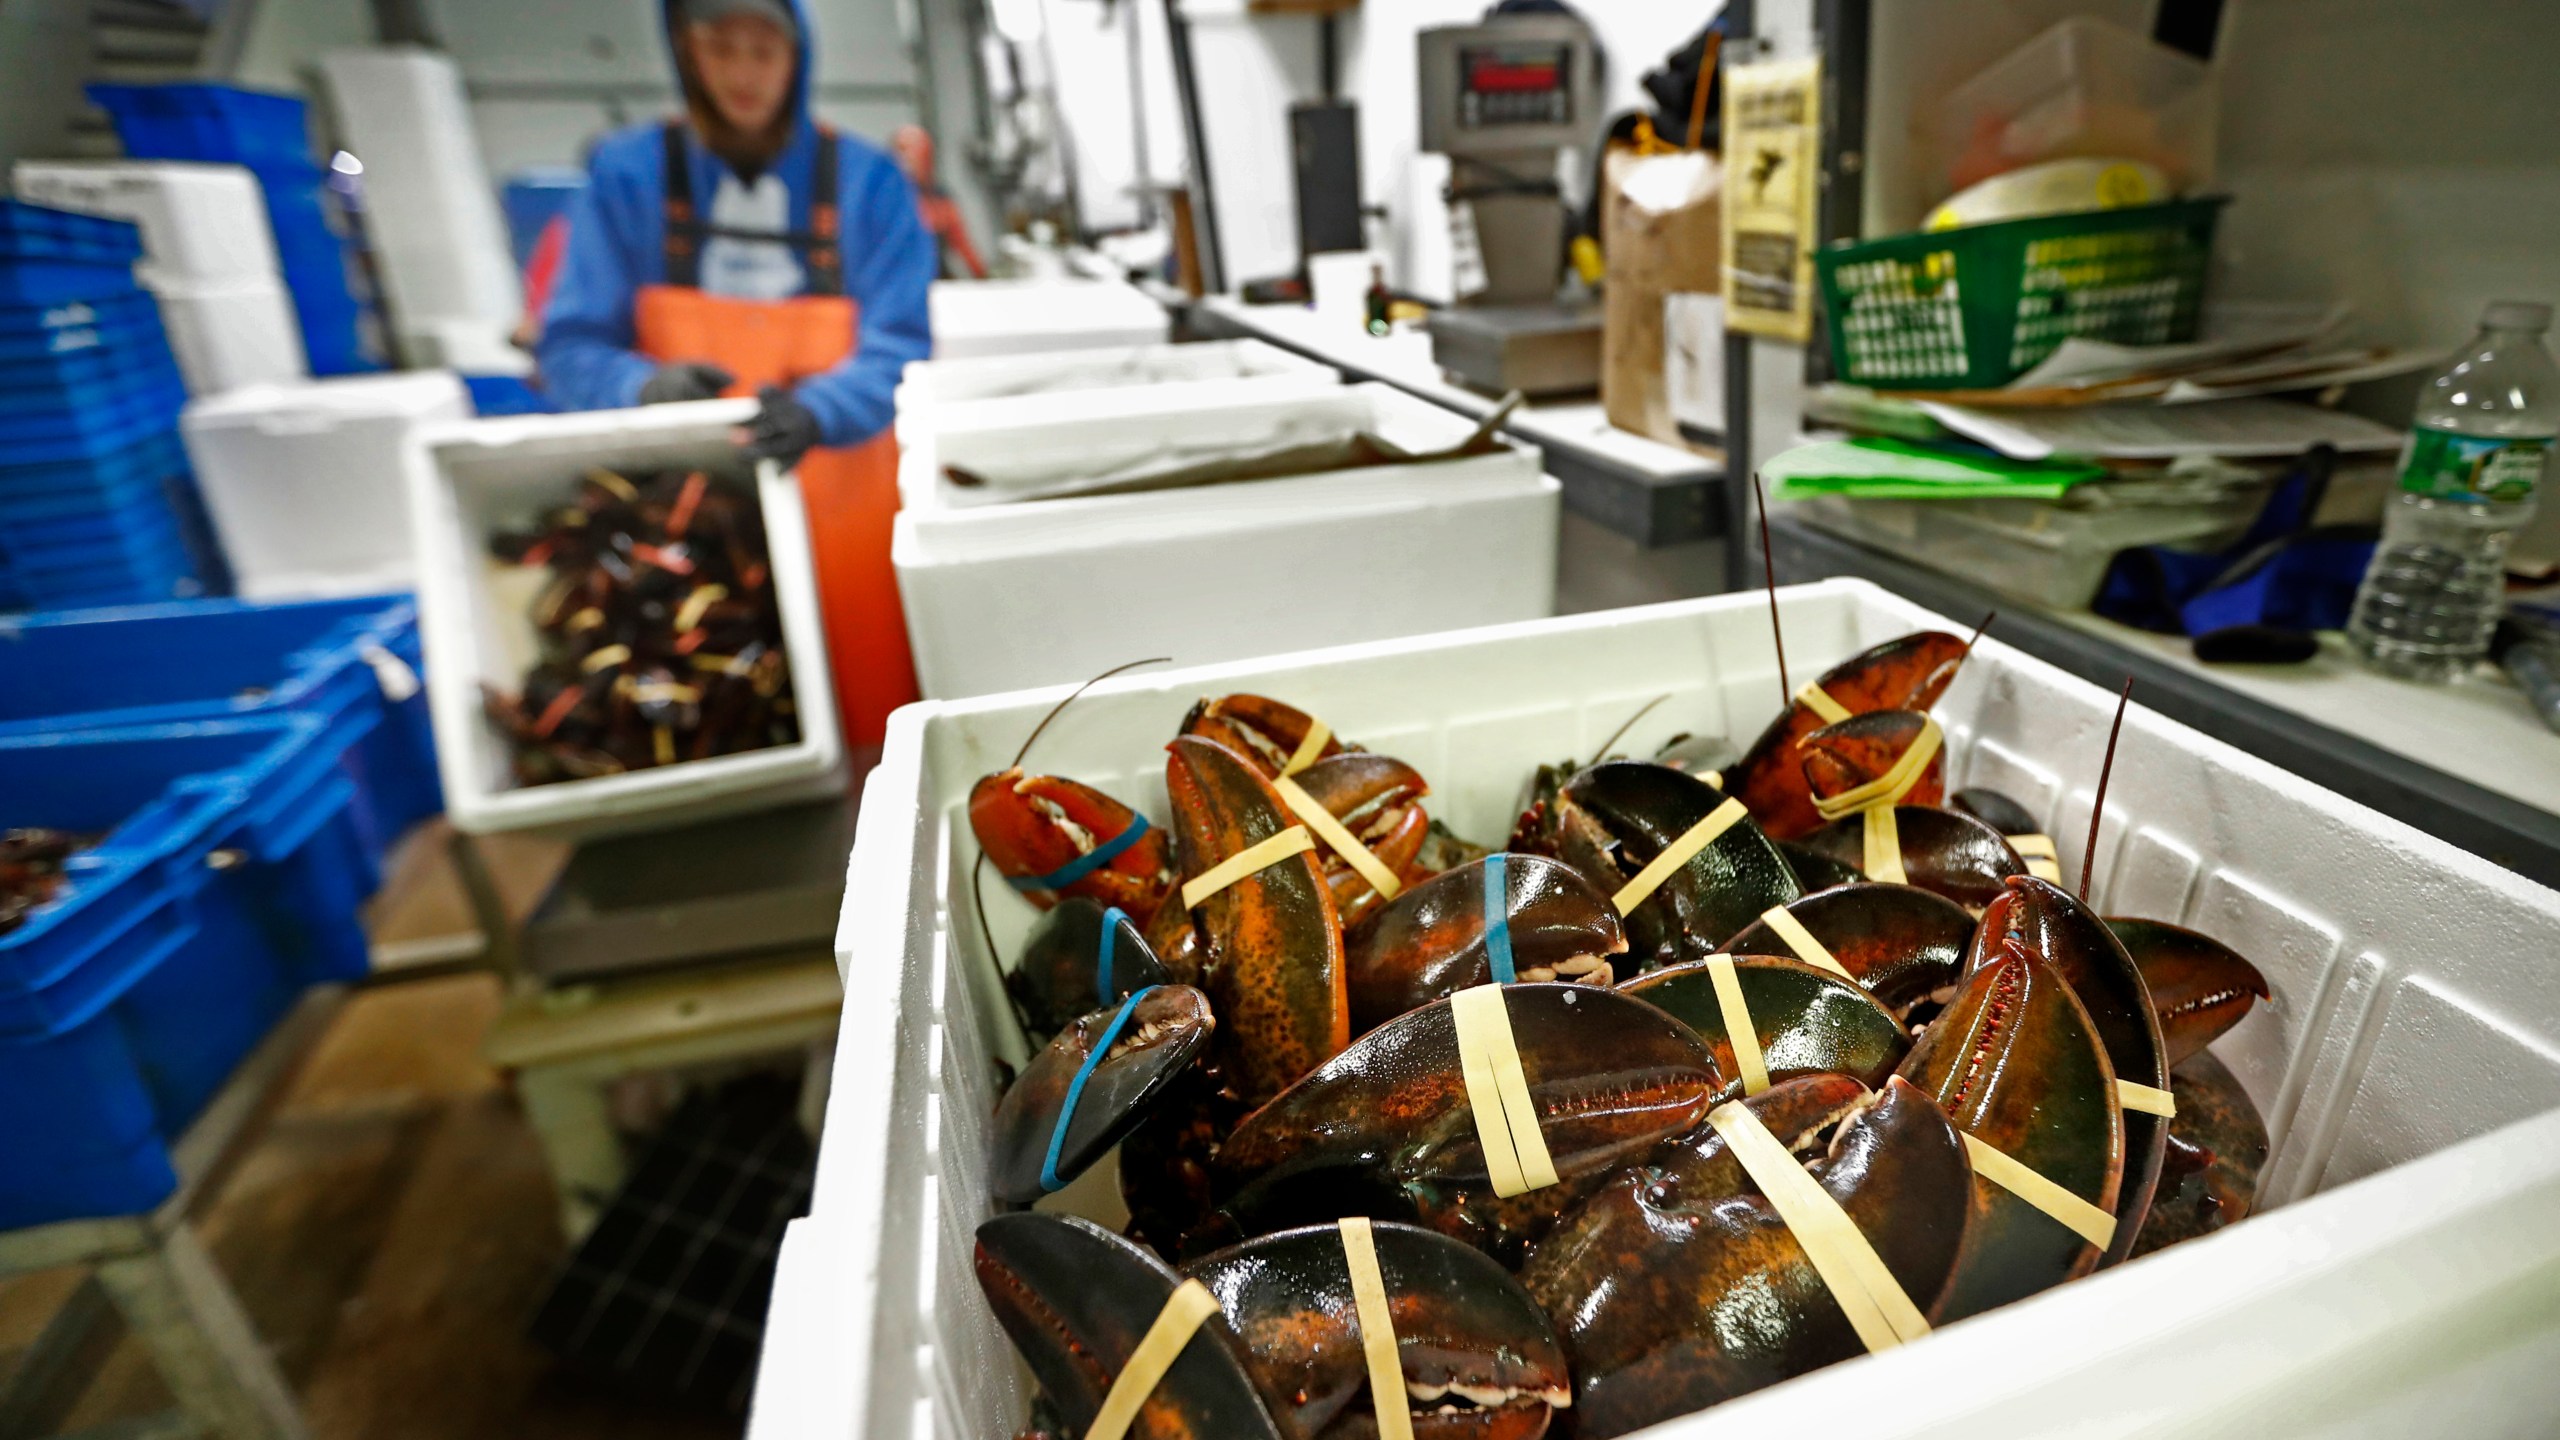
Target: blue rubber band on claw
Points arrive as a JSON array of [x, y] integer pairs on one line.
[[1111, 921], [1085, 864], [1497, 921], [1049, 1180]]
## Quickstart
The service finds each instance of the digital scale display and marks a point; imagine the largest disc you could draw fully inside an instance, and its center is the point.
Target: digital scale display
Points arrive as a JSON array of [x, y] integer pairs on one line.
[[1514, 84]]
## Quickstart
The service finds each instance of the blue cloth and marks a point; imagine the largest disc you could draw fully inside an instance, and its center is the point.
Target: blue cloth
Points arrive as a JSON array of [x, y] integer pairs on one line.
[[617, 244], [2282, 575]]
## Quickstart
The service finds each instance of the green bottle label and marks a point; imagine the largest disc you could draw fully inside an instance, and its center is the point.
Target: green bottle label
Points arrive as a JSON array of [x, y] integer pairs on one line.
[[2445, 466]]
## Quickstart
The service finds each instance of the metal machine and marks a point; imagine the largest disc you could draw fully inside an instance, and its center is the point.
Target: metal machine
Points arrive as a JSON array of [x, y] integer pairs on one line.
[[1500, 99]]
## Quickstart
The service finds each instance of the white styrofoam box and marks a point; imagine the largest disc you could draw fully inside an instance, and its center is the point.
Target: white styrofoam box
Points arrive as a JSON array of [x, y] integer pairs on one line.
[[303, 480], [1693, 359], [998, 597], [2409, 1067], [1022, 317], [973, 392], [230, 333], [467, 479], [430, 212], [203, 223]]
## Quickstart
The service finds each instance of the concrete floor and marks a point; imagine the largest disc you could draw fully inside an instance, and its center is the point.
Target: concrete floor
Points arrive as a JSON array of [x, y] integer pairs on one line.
[[390, 1237]]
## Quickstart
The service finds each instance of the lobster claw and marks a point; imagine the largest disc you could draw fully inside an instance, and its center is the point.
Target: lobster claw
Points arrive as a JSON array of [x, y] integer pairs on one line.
[[1806, 1021], [2015, 1063], [1068, 1107], [1432, 940], [1866, 748], [1376, 797], [1076, 1300], [1262, 730], [1908, 673], [1903, 943], [1272, 948], [1480, 1360], [1043, 832], [1060, 975], [2199, 986], [2217, 1146], [1386, 1128], [1677, 1285], [1614, 818], [1953, 855], [1994, 809]]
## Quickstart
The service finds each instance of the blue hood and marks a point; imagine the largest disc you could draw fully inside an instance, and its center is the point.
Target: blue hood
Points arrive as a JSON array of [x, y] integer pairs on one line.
[[797, 106]]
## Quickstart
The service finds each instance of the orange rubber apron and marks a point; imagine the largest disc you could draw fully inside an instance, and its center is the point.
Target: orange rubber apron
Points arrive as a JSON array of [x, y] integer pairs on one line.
[[850, 495]]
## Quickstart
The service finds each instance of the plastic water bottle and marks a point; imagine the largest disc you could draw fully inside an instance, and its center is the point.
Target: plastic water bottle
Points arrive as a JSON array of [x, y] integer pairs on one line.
[[2483, 437]]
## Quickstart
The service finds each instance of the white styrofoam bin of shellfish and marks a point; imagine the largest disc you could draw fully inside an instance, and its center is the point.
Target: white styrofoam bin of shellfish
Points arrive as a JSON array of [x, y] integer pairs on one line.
[[2401, 1278], [1023, 317], [1003, 596], [469, 479], [936, 393]]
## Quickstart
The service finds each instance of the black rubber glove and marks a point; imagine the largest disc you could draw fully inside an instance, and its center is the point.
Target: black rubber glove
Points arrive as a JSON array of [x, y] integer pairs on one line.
[[783, 431], [685, 380]]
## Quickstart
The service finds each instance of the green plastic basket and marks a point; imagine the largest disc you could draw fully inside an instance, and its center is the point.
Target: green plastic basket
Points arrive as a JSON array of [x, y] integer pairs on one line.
[[1976, 307]]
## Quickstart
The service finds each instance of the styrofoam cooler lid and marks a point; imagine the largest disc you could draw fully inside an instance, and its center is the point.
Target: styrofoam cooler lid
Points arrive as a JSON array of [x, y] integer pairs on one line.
[[405, 396], [198, 221]]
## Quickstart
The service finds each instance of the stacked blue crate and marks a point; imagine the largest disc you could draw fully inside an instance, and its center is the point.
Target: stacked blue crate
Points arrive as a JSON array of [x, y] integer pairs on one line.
[[92, 478], [225, 125]]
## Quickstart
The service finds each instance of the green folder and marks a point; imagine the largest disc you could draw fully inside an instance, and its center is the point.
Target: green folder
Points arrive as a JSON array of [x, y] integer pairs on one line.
[[1900, 470]]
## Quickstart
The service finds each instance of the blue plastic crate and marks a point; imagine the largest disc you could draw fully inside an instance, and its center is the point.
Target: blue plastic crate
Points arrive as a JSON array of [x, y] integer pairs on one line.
[[146, 512], [532, 198], [230, 878], [136, 378], [59, 282], [19, 319], [209, 658], [89, 435], [147, 547], [152, 458], [95, 356], [506, 395], [37, 232], [221, 123]]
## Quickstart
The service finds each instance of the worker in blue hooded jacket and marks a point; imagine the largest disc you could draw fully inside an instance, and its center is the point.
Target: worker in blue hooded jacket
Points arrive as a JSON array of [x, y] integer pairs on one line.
[[747, 249]]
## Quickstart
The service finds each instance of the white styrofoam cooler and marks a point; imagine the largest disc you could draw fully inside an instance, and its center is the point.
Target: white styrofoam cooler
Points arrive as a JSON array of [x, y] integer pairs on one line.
[[230, 333], [934, 393], [2406, 1277], [998, 597], [303, 480], [202, 223], [972, 318], [467, 479]]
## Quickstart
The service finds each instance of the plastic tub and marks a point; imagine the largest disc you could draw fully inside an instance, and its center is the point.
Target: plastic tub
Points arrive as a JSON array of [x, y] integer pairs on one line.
[[2044, 552], [2394, 1262], [220, 123], [470, 478], [198, 222]]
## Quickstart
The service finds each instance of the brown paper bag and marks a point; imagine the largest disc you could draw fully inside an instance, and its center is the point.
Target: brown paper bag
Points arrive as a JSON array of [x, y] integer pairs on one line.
[[1663, 229]]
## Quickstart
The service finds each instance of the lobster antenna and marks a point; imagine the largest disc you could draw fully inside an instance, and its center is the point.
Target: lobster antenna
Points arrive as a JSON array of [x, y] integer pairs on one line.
[[1978, 633], [1621, 732], [1769, 571], [1071, 699], [978, 898], [2098, 807]]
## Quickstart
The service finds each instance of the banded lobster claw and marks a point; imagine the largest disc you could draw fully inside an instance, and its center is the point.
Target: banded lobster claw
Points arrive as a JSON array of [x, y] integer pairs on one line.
[[2217, 1146], [1677, 1285], [1901, 942], [1090, 1086], [1480, 1360], [1061, 973], [1805, 1021], [2015, 1063], [1434, 939], [1909, 673], [2199, 986], [1076, 1300], [1262, 730], [1377, 798], [1864, 749], [1611, 821], [1953, 855], [1994, 809], [1271, 948], [1386, 1127], [1044, 834]]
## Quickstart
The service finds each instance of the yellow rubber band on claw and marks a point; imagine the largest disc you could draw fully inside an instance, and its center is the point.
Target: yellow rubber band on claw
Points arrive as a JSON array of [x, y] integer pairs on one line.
[[1783, 923], [1890, 787], [2073, 1213], [1877, 1307], [1737, 1024], [1883, 842], [1309, 749], [1818, 700], [2037, 850], [1387, 1394], [1252, 860], [1678, 853], [2149, 1099], [1338, 835], [1175, 1324], [1498, 1093]]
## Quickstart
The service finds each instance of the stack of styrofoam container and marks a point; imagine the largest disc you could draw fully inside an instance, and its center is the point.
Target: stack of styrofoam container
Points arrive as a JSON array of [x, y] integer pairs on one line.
[[303, 480], [936, 393], [2398, 1280], [209, 258], [972, 318], [470, 479], [1003, 595], [438, 238]]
